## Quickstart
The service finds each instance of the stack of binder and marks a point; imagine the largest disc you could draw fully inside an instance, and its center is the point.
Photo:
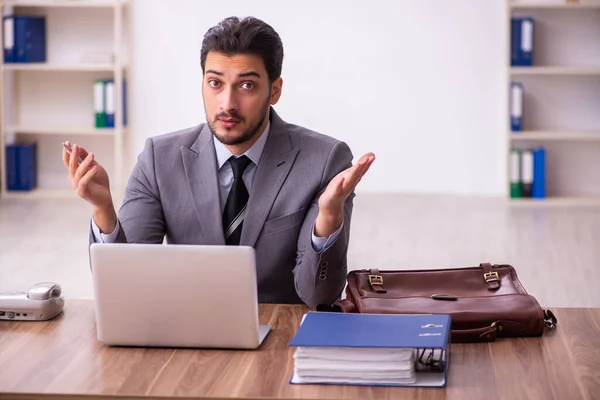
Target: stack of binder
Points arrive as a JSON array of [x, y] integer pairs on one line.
[[355, 365], [24, 39], [21, 166], [104, 103], [372, 349], [528, 172]]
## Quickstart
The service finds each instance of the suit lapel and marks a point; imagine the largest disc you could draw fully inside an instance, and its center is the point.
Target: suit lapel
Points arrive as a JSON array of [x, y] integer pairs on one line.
[[200, 165], [275, 164]]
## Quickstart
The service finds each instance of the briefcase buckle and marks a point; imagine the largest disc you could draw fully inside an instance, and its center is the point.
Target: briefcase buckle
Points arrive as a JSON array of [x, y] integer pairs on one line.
[[491, 277], [375, 280]]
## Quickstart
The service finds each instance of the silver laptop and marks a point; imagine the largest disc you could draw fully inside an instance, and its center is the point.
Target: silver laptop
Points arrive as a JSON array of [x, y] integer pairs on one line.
[[176, 296]]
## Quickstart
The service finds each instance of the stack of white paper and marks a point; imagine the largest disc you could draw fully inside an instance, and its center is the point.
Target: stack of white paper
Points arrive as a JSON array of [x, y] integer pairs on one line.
[[354, 365]]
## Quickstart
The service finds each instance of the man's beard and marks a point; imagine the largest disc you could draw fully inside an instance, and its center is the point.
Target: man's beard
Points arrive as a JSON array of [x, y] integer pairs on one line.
[[246, 135]]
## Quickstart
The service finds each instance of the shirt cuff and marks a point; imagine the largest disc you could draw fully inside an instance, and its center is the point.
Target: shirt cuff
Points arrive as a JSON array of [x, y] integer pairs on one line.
[[104, 238], [321, 244]]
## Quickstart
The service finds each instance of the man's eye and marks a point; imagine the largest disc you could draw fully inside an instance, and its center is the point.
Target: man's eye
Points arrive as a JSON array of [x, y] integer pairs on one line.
[[213, 83], [248, 85]]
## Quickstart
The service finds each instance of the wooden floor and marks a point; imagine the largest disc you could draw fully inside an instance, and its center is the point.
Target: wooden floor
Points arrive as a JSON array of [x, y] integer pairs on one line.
[[554, 248]]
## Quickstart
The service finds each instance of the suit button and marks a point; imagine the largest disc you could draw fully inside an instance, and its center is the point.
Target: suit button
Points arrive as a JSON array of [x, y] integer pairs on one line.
[[324, 264]]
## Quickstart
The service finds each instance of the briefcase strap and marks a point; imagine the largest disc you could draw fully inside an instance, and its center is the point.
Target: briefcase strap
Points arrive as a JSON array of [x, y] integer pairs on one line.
[[376, 281], [490, 276]]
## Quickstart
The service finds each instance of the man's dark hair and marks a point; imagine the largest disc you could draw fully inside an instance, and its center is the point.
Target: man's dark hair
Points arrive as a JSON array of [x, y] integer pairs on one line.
[[246, 36]]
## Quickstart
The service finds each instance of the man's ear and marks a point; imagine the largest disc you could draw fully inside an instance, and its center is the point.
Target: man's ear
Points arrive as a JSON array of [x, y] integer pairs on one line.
[[276, 88]]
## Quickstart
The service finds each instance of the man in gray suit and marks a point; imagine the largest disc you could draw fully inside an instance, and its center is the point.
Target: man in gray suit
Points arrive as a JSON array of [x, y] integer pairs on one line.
[[283, 189]]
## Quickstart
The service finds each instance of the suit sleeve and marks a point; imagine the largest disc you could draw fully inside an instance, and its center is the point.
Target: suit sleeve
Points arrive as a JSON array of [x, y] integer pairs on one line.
[[320, 277], [140, 218]]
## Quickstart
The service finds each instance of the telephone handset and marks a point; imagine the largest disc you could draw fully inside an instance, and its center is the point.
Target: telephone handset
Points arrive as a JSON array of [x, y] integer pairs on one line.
[[42, 302]]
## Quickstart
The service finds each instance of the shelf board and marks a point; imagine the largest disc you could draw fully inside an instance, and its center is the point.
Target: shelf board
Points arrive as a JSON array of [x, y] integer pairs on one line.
[[56, 193], [60, 130], [82, 67], [65, 3], [555, 135], [555, 70], [557, 201], [554, 6], [40, 193]]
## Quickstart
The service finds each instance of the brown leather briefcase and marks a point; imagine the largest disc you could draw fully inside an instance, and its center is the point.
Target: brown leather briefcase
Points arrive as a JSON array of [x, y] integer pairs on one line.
[[484, 302]]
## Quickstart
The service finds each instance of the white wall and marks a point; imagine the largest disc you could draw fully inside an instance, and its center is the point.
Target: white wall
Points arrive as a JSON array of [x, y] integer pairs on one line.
[[420, 83]]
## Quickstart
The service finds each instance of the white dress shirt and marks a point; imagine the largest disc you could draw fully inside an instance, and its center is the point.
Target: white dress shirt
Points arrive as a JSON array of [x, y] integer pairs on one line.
[[225, 178]]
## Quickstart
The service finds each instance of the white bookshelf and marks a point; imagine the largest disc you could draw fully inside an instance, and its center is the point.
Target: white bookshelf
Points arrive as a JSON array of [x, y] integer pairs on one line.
[[561, 102], [53, 101]]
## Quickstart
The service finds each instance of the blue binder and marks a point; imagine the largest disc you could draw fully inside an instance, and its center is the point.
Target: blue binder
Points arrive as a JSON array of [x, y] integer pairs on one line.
[[515, 38], [124, 102], [27, 36], [21, 166], [539, 173], [109, 103], [516, 106], [28, 166], [522, 41], [415, 331], [8, 25], [12, 180]]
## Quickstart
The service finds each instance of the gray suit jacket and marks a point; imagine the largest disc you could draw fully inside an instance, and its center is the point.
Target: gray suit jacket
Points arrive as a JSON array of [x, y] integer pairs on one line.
[[173, 191]]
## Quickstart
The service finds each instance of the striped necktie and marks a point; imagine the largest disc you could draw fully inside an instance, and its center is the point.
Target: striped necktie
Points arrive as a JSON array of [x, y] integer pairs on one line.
[[235, 207]]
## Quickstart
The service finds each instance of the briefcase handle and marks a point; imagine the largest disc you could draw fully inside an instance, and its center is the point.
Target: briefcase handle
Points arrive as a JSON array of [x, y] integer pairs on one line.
[[343, 305], [483, 334], [549, 319]]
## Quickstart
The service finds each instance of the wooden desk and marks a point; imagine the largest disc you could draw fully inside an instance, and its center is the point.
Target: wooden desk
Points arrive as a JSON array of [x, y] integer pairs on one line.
[[63, 359]]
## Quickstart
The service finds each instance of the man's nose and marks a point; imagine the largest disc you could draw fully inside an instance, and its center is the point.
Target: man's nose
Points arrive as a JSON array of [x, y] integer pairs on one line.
[[229, 102]]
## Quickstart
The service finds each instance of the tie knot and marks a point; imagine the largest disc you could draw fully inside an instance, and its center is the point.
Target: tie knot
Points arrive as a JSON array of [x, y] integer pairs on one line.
[[239, 165]]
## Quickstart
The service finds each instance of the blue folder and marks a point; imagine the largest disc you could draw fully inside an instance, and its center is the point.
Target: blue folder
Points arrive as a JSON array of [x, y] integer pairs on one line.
[[415, 331], [109, 103], [25, 39], [515, 38], [522, 41], [21, 166], [539, 173], [516, 106], [12, 166], [124, 102], [110, 113], [28, 166], [8, 24]]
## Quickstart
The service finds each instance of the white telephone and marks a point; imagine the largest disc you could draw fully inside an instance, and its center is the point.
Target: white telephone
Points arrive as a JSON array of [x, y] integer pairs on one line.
[[42, 302]]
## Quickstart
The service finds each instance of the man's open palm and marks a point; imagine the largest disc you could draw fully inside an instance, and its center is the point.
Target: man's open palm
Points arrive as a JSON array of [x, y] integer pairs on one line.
[[332, 200]]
